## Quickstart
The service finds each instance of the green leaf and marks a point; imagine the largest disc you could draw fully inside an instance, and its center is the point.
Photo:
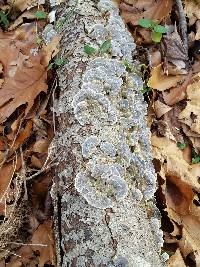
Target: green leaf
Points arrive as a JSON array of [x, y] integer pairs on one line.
[[195, 157], [127, 65], [89, 50], [40, 14], [156, 36], [145, 90], [39, 40], [60, 61], [105, 46], [160, 29], [4, 19], [145, 23], [181, 145], [196, 160], [50, 67]]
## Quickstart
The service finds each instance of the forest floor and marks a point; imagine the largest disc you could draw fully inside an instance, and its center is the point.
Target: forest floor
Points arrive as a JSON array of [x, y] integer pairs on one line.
[[167, 34]]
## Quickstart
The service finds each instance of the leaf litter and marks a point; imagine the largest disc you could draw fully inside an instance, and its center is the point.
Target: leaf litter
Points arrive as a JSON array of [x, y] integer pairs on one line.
[[174, 116], [26, 131]]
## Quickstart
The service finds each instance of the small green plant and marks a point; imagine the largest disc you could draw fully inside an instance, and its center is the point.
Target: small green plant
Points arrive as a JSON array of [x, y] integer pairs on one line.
[[4, 19], [146, 89], [195, 157], [156, 29], [57, 63], [40, 14], [130, 68], [39, 41], [181, 145], [89, 50], [104, 48]]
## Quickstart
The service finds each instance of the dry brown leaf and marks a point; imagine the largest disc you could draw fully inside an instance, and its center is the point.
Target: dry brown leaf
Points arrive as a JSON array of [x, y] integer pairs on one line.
[[1, 72], [35, 162], [155, 57], [173, 123], [167, 151], [178, 194], [176, 260], [22, 136], [20, 19], [161, 81], [25, 76], [192, 10], [192, 110], [197, 36], [51, 49], [155, 10], [43, 235], [175, 55], [178, 93], [41, 146], [24, 4], [16, 263], [160, 108]]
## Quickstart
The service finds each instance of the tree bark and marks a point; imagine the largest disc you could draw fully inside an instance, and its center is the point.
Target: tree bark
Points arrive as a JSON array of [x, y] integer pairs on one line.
[[104, 187]]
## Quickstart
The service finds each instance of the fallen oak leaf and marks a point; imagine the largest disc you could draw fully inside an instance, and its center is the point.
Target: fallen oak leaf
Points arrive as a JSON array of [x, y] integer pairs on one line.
[[178, 194], [175, 54], [160, 81], [25, 76], [154, 10], [178, 93], [167, 151], [192, 109]]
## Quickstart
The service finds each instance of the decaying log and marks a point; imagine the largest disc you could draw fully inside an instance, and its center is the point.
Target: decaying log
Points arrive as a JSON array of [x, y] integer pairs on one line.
[[104, 191]]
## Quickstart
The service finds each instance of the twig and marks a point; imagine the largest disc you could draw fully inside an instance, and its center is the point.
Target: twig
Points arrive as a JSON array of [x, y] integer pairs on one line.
[[182, 24], [23, 171]]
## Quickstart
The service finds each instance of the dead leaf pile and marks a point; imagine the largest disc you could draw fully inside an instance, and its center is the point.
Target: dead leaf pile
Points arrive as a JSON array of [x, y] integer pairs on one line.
[[174, 118], [26, 131]]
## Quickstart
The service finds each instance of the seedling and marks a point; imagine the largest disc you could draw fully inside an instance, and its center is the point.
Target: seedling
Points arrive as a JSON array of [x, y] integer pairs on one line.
[[181, 145], [157, 30], [146, 89], [89, 50], [40, 14], [57, 63], [130, 68], [104, 48], [4, 19], [195, 157]]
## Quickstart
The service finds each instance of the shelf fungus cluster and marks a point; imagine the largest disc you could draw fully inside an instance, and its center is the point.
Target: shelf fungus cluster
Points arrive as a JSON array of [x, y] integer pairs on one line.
[[116, 153]]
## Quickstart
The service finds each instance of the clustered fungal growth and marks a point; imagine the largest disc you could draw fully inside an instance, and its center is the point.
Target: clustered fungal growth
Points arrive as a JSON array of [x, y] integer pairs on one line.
[[116, 154]]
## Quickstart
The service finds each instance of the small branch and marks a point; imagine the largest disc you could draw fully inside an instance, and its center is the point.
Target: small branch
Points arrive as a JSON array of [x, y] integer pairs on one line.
[[182, 24]]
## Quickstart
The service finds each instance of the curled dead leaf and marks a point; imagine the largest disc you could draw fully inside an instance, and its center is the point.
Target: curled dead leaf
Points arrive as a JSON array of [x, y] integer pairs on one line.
[[160, 81], [178, 194], [160, 108], [178, 93], [176, 260], [171, 158]]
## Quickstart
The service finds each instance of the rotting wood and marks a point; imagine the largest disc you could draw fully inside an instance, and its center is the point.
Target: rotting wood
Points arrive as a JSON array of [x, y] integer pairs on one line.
[[106, 181]]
